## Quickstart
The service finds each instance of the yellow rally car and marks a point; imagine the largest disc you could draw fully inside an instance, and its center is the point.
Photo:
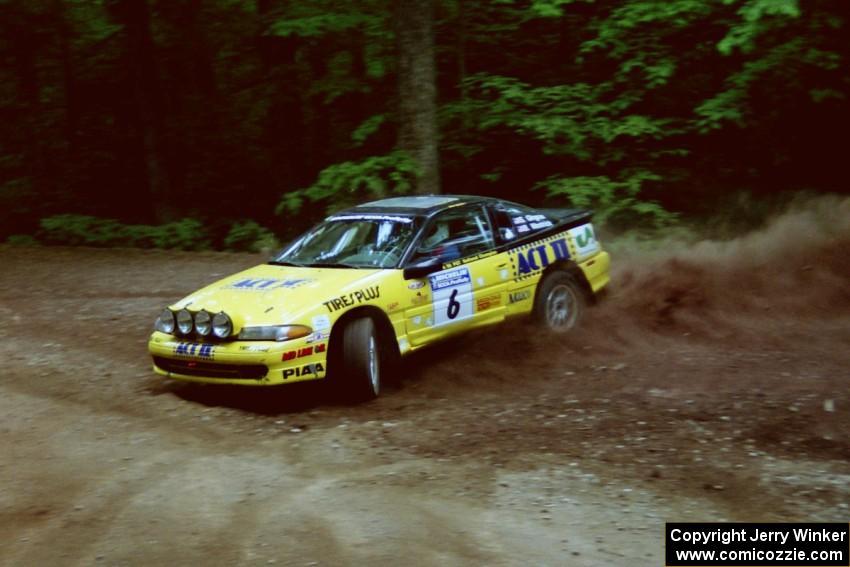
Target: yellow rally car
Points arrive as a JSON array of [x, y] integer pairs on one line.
[[381, 280]]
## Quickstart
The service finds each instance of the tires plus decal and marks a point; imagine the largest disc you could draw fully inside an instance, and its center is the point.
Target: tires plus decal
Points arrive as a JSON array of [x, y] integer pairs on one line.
[[315, 370], [195, 350], [265, 284], [306, 351], [452, 292], [353, 298], [531, 258]]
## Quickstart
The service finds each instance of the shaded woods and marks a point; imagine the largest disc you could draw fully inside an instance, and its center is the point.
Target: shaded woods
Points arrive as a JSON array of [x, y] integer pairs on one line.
[[152, 111]]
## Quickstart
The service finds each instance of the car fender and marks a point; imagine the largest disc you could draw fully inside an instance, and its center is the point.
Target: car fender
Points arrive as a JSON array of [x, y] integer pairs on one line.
[[569, 266], [382, 321]]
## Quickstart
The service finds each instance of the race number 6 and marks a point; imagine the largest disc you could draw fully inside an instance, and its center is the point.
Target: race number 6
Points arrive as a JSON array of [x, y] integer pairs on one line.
[[452, 295], [454, 305]]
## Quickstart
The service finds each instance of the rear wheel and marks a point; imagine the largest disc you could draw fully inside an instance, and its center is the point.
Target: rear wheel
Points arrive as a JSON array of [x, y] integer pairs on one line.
[[362, 359], [559, 302]]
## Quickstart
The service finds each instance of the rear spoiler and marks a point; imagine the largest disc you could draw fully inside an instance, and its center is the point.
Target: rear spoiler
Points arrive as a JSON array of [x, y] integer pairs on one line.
[[568, 216]]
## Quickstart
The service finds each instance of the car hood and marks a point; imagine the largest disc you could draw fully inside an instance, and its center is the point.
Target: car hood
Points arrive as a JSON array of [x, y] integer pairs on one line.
[[272, 295]]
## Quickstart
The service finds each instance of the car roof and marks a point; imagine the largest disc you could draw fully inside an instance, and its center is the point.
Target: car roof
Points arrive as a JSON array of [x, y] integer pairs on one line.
[[416, 205]]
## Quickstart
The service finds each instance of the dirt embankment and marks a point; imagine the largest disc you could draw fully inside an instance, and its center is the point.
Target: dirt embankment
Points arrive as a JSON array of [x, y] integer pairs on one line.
[[711, 383]]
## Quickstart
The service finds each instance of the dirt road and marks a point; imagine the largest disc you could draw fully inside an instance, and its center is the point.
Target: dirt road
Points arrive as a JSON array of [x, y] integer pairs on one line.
[[701, 389]]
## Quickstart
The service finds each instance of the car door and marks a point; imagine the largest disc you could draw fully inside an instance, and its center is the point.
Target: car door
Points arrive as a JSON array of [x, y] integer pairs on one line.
[[470, 288], [515, 227]]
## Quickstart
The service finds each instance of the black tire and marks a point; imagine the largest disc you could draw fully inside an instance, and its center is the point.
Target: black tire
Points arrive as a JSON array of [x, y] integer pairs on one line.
[[559, 302], [362, 358]]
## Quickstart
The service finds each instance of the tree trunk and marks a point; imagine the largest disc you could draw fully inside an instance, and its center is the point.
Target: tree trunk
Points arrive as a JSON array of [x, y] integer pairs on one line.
[[461, 63], [417, 89], [149, 104]]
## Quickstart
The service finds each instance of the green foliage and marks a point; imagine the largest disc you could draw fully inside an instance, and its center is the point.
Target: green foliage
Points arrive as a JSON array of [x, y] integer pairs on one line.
[[324, 18], [82, 230], [572, 119], [22, 240], [248, 236], [636, 33], [314, 25], [614, 202], [226, 98], [367, 128], [344, 184], [339, 25], [753, 13]]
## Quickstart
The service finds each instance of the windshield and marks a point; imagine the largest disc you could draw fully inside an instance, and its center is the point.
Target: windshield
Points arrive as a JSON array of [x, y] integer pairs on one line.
[[352, 241]]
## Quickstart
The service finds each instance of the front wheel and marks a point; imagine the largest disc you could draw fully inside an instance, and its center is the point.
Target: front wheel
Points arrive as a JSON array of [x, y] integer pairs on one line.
[[559, 302], [361, 358]]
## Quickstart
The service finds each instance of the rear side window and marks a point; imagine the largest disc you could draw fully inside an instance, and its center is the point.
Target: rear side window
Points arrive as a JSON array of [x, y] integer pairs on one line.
[[515, 221]]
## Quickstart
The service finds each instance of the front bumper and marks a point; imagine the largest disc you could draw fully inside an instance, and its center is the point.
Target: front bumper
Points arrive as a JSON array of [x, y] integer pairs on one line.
[[255, 363]]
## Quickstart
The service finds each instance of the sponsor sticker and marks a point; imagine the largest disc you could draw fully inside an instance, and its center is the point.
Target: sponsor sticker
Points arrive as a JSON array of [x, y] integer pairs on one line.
[[518, 296], [315, 370], [353, 298], [539, 255], [304, 351], [391, 218], [584, 240], [267, 284], [488, 302], [468, 259], [321, 322], [317, 336], [452, 295], [195, 350], [537, 222]]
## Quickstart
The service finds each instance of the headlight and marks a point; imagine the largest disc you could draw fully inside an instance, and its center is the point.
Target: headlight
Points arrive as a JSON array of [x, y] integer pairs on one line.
[[222, 326], [274, 333], [184, 322], [165, 322], [203, 323]]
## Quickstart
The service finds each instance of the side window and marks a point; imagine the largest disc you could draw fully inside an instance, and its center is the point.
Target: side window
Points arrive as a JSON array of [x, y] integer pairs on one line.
[[455, 234], [504, 226], [514, 221]]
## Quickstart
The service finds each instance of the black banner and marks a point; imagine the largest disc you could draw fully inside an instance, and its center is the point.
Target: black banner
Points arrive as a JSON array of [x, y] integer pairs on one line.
[[759, 545]]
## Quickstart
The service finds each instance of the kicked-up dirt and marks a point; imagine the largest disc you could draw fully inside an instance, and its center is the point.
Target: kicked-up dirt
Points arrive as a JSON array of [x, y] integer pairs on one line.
[[710, 384]]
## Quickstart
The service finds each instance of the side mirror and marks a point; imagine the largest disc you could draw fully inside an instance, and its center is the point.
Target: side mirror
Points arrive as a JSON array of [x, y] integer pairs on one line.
[[422, 269]]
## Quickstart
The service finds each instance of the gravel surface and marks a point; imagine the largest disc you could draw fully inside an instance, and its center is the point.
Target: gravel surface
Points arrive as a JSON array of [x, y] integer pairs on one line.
[[711, 384]]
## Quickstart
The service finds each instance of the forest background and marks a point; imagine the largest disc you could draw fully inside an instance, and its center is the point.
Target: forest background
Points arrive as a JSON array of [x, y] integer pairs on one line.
[[237, 123]]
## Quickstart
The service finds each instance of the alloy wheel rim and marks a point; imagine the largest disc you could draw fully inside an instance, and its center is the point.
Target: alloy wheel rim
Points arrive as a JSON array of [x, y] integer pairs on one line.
[[374, 377], [561, 308]]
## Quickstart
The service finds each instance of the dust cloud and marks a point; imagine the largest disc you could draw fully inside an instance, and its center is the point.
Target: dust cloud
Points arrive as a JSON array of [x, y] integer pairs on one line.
[[768, 288], [796, 265]]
